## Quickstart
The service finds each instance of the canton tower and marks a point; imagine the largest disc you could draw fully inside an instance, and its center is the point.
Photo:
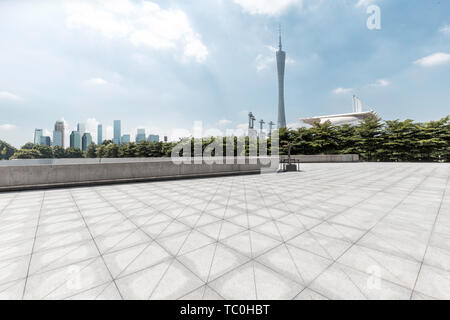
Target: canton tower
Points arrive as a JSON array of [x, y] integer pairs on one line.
[[281, 59]]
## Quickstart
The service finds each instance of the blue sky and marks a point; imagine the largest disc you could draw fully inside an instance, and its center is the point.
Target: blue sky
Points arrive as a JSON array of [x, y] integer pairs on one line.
[[162, 65]]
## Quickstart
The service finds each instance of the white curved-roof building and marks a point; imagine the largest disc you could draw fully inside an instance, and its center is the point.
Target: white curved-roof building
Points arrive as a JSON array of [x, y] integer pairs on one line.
[[337, 119], [347, 118]]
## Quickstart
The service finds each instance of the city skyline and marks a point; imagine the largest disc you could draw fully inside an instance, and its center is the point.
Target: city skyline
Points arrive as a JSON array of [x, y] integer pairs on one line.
[[205, 72], [77, 138]]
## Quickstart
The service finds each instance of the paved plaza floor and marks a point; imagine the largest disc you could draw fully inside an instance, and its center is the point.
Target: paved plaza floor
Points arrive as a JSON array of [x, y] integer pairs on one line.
[[333, 231]]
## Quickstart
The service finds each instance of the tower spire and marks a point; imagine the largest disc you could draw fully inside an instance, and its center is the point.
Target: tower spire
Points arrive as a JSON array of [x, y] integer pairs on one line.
[[281, 61], [279, 37]]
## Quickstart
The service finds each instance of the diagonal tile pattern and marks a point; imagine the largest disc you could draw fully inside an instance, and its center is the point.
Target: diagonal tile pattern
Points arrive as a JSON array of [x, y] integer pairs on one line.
[[333, 231]]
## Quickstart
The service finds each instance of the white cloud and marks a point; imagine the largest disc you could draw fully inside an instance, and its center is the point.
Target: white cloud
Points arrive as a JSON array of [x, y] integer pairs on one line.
[[363, 3], [224, 122], [380, 83], [7, 127], [91, 127], [267, 7], [143, 23], [67, 132], [435, 59], [109, 133], [445, 29], [264, 60], [48, 133], [96, 82], [294, 125], [342, 90], [4, 95]]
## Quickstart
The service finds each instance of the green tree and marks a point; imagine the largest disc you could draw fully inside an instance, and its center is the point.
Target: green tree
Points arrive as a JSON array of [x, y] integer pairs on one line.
[[91, 151], [166, 149], [45, 151], [324, 138], [433, 142], [73, 153], [28, 145], [149, 149], [27, 154], [6, 150], [106, 142], [398, 141], [112, 151], [346, 139], [368, 138], [58, 152]]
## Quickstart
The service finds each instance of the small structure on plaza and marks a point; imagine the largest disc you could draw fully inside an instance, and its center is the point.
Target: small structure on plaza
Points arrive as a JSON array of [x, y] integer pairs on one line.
[[289, 164]]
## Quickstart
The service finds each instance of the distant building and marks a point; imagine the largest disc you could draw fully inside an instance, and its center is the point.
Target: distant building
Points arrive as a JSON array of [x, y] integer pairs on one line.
[[86, 140], [339, 119], [355, 117], [125, 139], [140, 135], [81, 128], [45, 141], [153, 138], [59, 127], [99, 134], [117, 132], [165, 139], [57, 139], [37, 136], [75, 140]]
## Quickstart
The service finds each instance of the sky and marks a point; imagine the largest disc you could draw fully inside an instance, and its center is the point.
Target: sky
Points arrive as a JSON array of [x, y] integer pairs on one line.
[[162, 65]]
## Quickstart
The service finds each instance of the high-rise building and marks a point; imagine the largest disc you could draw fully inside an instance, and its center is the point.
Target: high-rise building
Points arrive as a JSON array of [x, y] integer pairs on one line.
[[153, 138], [117, 132], [86, 140], [45, 141], [59, 127], [165, 139], [75, 140], [37, 136], [57, 138], [99, 134], [81, 128], [125, 139], [281, 59], [140, 135]]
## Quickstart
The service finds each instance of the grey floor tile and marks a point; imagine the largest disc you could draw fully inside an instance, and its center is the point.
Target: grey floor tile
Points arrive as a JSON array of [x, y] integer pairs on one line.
[[254, 237], [434, 282]]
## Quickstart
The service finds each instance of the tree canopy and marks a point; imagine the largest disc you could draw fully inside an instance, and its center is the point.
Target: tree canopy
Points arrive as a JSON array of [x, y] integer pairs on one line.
[[6, 150], [373, 139]]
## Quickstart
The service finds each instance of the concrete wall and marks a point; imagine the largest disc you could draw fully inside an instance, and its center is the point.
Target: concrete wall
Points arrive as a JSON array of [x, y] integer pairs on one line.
[[325, 158], [60, 173], [40, 173]]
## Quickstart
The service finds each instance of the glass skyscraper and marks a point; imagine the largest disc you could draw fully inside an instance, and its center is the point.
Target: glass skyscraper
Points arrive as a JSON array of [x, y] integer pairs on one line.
[[125, 138], [45, 141], [86, 140], [58, 139], [140, 135], [117, 132], [75, 140], [37, 136], [153, 138], [99, 134], [81, 128]]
